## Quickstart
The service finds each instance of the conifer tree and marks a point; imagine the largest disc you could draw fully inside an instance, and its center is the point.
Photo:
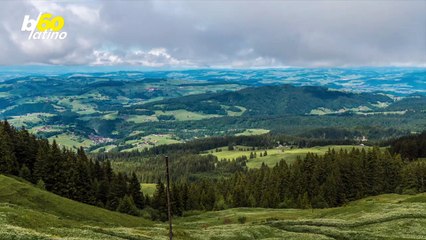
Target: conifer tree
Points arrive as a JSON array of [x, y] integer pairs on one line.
[[126, 205], [135, 192], [8, 163]]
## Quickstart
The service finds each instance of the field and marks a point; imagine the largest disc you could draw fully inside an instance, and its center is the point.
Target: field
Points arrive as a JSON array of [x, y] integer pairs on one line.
[[274, 155], [29, 119], [184, 115], [382, 217], [27, 212], [71, 140], [148, 188], [150, 141], [253, 131]]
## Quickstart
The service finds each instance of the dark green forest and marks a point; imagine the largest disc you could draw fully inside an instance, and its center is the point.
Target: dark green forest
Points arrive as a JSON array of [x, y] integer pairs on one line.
[[67, 173], [313, 182], [310, 182]]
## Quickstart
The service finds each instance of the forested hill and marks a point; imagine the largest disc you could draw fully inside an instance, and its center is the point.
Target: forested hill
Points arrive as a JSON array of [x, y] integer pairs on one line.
[[67, 173], [275, 100]]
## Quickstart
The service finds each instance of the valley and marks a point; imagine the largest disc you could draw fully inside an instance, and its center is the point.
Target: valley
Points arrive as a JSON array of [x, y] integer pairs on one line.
[[131, 110], [270, 156]]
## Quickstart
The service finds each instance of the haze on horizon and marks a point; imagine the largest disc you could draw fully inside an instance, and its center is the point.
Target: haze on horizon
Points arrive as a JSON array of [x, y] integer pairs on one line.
[[235, 34]]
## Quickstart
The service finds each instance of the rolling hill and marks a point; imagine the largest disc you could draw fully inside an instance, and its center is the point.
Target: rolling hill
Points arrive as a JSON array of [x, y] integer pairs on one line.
[[27, 212], [275, 100], [126, 110]]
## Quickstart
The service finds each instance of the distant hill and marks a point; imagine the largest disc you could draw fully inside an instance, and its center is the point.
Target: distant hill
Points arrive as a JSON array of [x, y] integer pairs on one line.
[[125, 111], [275, 100], [411, 103]]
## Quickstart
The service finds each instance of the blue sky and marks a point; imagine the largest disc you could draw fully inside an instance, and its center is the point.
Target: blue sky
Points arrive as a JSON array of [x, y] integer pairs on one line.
[[232, 34]]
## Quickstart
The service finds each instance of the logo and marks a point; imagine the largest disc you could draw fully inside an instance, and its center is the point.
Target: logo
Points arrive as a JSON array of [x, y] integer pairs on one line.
[[46, 26]]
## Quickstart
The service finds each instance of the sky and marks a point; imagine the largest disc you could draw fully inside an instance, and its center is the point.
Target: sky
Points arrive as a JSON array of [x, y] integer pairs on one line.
[[219, 34]]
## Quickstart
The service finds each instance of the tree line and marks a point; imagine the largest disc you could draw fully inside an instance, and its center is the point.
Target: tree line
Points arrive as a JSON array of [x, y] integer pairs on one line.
[[191, 167], [315, 181], [67, 173], [411, 147]]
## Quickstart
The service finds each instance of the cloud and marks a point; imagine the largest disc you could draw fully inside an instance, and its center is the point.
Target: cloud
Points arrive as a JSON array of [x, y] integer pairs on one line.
[[221, 33], [157, 57]]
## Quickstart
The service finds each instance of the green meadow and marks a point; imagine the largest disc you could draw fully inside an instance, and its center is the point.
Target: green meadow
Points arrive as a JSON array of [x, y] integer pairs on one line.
[[27, 212], [148, 188], [275, 155]]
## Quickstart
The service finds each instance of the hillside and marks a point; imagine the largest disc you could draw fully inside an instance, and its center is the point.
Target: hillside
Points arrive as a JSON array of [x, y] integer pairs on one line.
[[387, 216], [275, 100], [129, 110], [27, 212]]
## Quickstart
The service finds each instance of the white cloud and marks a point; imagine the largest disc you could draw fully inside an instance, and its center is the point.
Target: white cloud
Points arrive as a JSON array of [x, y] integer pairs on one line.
[[221, 33], [157, 57]]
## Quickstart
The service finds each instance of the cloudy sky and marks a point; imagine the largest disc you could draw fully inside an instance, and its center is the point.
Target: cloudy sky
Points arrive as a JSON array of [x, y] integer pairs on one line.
[[206, 33]]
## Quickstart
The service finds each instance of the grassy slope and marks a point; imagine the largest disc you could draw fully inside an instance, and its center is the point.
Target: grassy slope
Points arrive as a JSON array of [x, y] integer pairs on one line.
[[275, 155], [29, 213], [389, 216]]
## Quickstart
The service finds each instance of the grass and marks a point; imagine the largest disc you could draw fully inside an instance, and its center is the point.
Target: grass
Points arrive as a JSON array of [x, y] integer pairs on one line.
[[47, 128], [148, 188], [110, 116], [184, 115], [150, 141], [387, 216], [29, 119], [27, 212], [141, 119], [275, 155], [75, 104], [71, 141], [235, 114], [253, 131]]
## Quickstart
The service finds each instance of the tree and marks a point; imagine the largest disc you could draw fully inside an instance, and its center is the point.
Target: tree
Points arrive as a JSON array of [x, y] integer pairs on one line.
[[127, 205], [159, 201], [135, 192], [304, 201], [8, 163], [25, 173], [118, 189]]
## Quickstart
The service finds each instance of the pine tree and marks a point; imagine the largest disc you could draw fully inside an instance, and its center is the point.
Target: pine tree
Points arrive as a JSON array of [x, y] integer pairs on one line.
[[126, 205], [41, 163], [177, 201], [135, 192], [8, 163], [118, 189], [25, 173], [159, 201], [304, 201], [83, 181]]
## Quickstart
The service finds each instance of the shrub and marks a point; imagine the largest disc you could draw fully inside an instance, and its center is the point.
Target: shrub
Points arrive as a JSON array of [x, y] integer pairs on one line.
[[40, 184]]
